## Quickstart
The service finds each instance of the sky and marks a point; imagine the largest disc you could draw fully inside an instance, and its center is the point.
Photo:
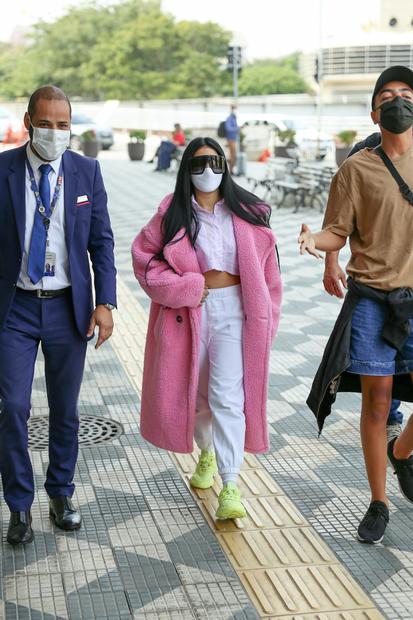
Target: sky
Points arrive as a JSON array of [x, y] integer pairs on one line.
[[266, 28]]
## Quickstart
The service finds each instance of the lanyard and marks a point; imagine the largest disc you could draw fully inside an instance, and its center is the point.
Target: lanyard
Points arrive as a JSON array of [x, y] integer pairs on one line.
[[39, 204]]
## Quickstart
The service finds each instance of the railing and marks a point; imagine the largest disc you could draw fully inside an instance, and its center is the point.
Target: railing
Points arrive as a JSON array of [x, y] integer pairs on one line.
[[367, 59], [289, 183]]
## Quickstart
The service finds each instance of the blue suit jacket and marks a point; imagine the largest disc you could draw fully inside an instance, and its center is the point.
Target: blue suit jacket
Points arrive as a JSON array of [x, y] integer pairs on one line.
[[88, 233]]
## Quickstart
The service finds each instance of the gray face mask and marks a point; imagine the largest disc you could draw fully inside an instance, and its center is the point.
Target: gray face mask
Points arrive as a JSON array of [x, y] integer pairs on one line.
[[50, 143]]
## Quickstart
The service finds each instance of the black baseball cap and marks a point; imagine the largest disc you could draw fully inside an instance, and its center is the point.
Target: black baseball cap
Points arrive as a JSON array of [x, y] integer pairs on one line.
[[397, 73]]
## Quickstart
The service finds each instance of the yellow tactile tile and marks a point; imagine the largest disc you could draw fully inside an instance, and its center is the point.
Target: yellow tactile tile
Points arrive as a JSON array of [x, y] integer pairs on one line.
[[251, 482], [354, 614], [286, 568], [187, 462], [300, 589], [262, 512], [275, 548]]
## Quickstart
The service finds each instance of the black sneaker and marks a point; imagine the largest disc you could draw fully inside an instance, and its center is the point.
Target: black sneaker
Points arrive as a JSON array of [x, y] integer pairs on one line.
[[373, 524], [403, 468]]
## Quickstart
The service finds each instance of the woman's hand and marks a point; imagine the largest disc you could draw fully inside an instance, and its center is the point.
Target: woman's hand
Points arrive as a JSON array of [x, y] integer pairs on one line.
[[307, 243], [205, 294]]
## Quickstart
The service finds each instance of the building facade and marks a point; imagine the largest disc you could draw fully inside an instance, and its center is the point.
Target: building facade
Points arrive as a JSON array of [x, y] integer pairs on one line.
[[348, 69]]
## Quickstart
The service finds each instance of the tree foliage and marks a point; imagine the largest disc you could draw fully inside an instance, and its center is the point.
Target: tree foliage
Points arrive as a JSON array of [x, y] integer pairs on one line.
[[132, 50], [272, 77]]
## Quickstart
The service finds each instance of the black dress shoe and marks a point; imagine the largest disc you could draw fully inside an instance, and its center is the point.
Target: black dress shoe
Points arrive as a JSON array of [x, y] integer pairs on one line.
[[20, 528], [64, 514]]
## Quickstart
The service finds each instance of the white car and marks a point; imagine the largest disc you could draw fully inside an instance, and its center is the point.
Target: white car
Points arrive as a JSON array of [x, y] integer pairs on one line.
[[314, 145], [82, 123], [8, 121], [260, 134]]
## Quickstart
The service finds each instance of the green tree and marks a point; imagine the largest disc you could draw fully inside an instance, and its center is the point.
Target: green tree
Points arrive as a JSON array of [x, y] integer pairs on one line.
[[271, 77], [132, 50], [153, 57], [15, 77], [135, 63], [197, 72]]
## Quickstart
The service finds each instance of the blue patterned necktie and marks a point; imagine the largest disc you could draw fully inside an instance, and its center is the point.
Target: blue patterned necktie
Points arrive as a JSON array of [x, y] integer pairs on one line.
[[37, 252]]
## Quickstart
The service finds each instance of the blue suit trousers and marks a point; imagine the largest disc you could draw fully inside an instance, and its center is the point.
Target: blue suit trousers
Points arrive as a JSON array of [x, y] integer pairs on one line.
[[32, 321]]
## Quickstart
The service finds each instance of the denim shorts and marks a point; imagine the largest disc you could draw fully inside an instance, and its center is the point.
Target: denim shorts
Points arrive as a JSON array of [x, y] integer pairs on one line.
[[369, 353]]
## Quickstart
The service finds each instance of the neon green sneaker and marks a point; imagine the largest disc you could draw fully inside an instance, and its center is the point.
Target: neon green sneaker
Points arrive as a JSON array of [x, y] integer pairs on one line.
[[203, 478], [230, 505]]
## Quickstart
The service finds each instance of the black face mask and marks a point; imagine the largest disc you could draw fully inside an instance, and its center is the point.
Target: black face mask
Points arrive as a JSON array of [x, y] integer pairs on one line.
[[396, 115]]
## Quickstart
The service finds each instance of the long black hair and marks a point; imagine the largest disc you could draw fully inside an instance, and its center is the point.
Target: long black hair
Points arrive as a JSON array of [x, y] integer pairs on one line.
[[181, 213]]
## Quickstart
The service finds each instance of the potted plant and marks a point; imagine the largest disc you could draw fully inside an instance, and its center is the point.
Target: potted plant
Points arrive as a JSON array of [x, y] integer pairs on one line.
[[344, 142], [136, 144], [286, 136], [89, 143]]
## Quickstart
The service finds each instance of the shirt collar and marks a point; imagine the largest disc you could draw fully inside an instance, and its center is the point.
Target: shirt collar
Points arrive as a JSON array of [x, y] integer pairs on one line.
[[198, 207], [36, 162]]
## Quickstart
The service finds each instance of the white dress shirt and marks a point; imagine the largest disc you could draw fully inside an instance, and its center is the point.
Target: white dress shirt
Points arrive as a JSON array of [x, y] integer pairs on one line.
[[215, 245], [57, 241]]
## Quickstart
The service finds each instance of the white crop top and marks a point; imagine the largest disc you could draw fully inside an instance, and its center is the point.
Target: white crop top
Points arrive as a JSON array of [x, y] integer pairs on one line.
[[215, 245]]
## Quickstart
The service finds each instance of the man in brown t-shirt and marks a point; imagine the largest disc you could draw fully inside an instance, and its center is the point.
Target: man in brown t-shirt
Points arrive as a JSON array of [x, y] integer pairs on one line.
[[334, 281], [366, 205]]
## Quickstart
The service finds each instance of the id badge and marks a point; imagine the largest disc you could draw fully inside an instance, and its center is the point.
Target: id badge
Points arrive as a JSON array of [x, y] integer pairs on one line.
[[50, 264]]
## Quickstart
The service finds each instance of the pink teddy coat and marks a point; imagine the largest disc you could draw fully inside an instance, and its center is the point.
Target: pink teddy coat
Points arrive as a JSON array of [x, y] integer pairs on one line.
[[171, 367]]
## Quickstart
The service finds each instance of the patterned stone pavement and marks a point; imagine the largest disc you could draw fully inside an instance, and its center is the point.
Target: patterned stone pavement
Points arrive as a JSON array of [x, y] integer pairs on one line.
[[145, 550]]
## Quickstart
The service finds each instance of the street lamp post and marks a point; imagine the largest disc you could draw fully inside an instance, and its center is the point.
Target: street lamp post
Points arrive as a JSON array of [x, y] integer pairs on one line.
[[235, 65], [319, 78]]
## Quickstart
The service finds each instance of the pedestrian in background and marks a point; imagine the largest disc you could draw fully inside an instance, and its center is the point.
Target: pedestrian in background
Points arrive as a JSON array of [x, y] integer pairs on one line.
[[207, 259], [169, 147], [178, 136], [232, 135]]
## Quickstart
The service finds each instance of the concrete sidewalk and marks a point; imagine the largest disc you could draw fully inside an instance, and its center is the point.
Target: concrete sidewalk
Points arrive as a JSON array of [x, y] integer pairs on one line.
[[148, 548]]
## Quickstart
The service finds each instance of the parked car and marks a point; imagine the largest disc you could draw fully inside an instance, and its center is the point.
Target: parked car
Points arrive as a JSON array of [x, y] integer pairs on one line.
[[12, 128], [82, 123], [261, 133], [258, 134], [313, 145]]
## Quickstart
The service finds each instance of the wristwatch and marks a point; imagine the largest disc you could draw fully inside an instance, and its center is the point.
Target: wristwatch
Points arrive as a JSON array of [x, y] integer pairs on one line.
[[109, 306]]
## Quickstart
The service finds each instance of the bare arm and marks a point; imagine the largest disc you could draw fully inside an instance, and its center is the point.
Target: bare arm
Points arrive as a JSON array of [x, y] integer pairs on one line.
[[334, 277], [324, 240]]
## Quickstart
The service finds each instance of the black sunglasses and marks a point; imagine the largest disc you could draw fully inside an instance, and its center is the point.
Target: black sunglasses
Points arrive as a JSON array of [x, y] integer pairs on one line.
[[216, 163]]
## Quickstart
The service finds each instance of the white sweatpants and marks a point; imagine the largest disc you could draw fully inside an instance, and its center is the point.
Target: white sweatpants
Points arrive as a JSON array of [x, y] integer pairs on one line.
[[220, 419]]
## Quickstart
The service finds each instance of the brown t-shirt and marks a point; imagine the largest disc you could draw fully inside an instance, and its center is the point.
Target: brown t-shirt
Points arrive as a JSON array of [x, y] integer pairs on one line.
[[365, 204]]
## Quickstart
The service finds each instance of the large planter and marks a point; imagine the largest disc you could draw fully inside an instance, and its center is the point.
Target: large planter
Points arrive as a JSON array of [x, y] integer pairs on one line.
[[136, 150], [90, 148], [342, 152]]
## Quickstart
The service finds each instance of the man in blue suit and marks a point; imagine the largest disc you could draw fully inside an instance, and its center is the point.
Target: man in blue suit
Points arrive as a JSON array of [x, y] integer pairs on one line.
[[53, 211]]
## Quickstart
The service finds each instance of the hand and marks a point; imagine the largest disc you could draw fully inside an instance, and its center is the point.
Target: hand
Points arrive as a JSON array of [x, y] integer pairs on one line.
[[205, 294], [101, 317], [307, 243], [334, 279]]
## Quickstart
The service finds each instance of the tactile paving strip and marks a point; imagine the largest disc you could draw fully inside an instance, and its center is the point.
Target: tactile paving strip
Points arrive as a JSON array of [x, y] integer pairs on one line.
[[299, 589], [360, 614], [285, 567]]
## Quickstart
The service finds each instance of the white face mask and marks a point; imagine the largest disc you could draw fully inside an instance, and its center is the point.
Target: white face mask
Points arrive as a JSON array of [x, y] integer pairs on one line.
[[50, 143], [208, 181]]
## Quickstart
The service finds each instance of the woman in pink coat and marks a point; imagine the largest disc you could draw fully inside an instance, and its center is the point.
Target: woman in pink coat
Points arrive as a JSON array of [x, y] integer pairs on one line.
[[207, 259]]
